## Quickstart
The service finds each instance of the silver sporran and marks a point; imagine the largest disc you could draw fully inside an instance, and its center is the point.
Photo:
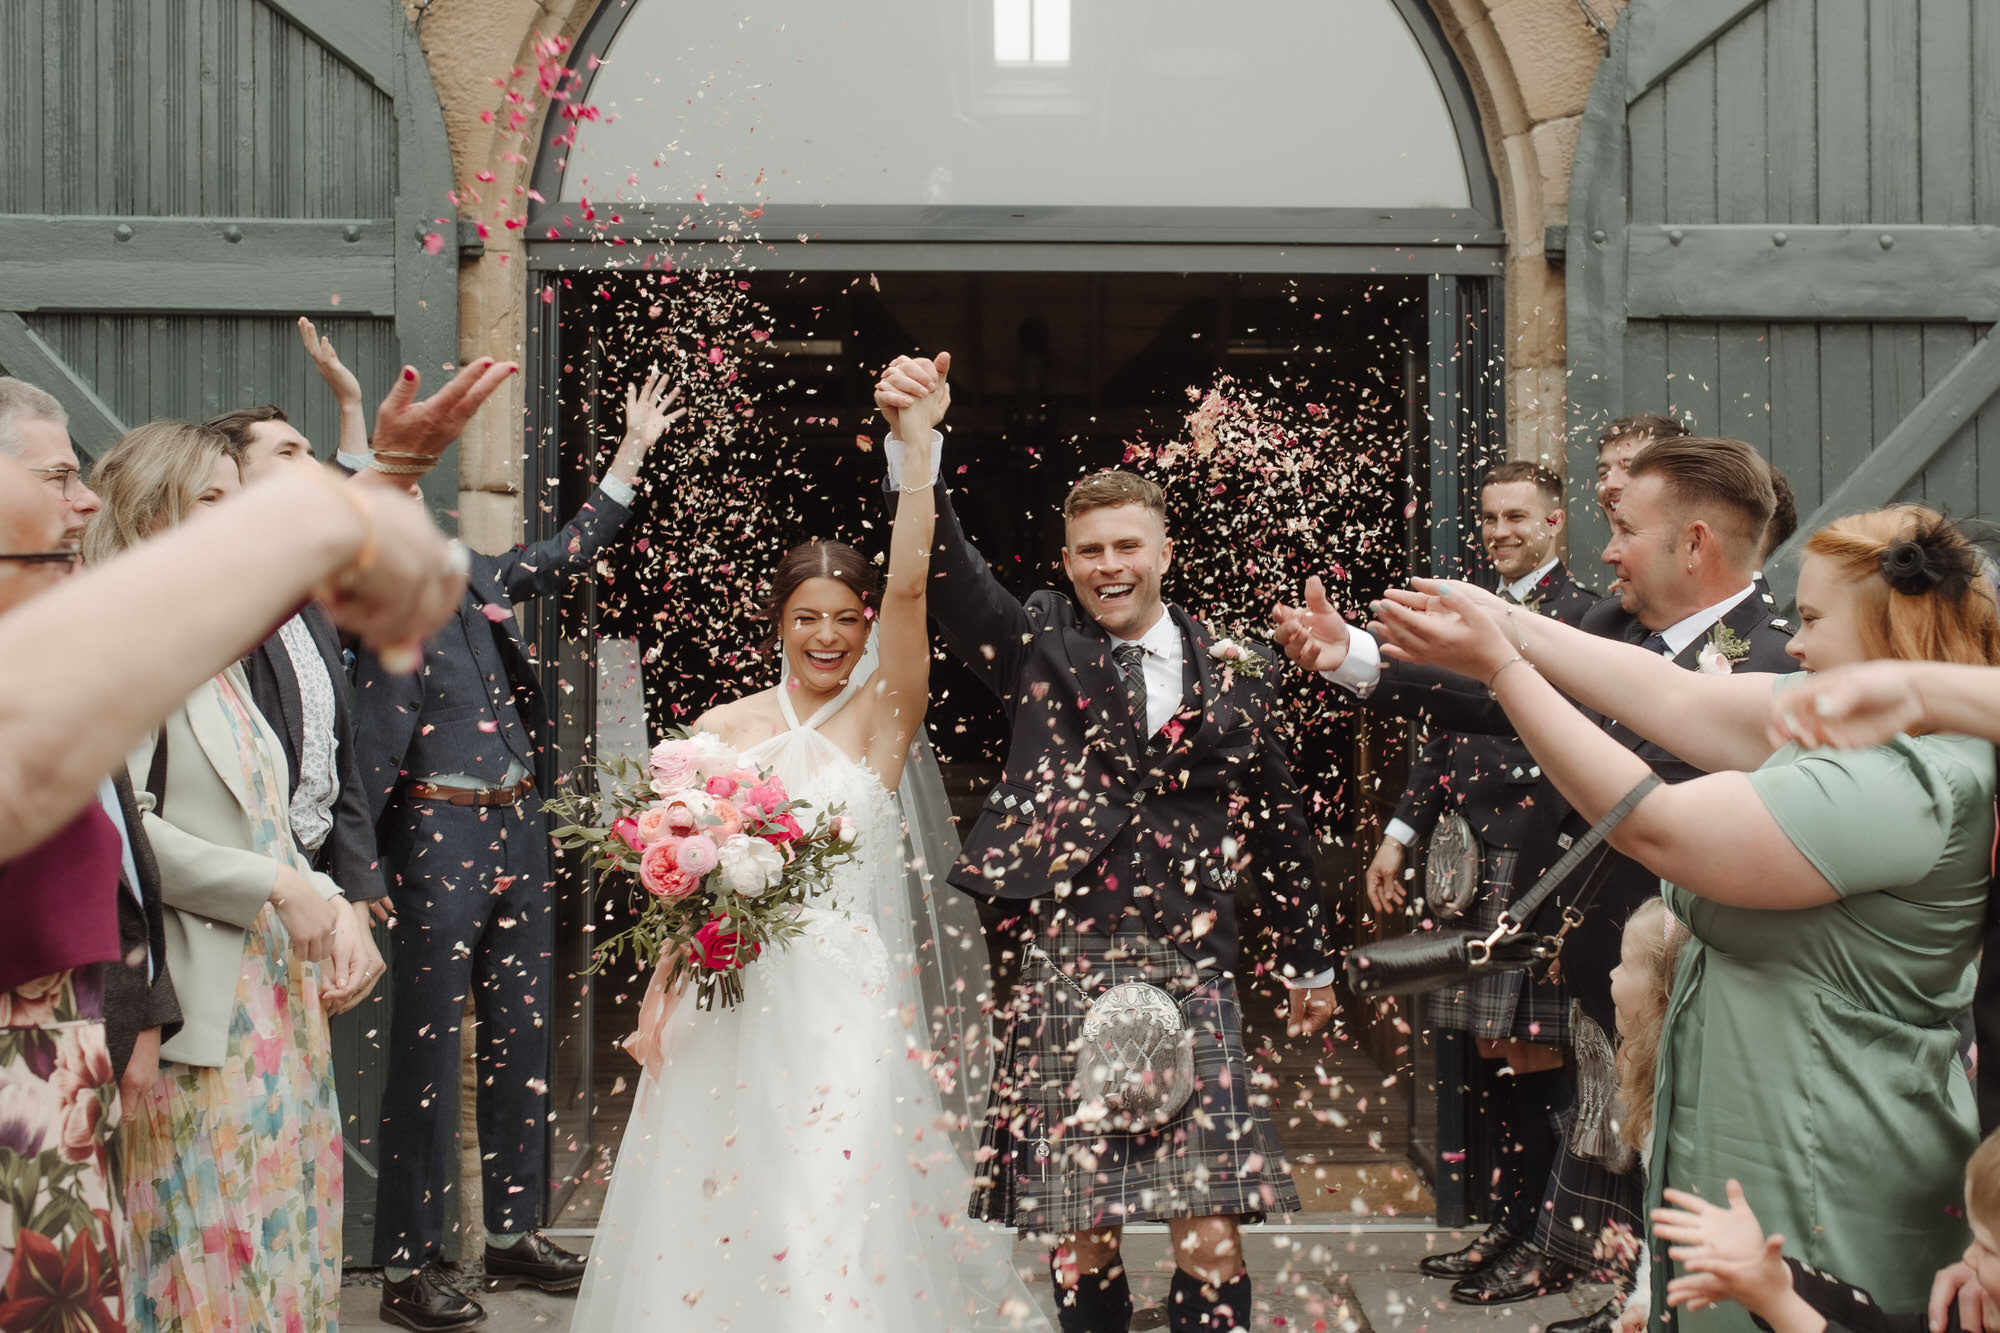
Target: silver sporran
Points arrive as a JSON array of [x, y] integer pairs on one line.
[[1134, 1058], [1451, 867]]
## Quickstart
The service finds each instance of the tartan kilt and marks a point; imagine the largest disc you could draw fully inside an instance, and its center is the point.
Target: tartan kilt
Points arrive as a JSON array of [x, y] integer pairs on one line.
[[1584, 1199], [1041, 1172], [1503, 1005]]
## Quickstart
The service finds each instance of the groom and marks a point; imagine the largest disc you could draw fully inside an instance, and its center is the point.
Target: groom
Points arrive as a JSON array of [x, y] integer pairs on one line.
[[1143, 792]]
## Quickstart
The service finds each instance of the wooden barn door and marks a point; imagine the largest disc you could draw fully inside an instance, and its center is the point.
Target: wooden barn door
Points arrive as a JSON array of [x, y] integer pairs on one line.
[[182, 180], [1785, 225]]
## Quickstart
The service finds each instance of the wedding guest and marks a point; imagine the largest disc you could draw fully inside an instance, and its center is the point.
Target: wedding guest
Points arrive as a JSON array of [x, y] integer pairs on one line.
[[447, 760], [89, 668], [34, 432], [62, 1229], [233, 1158], [1520, 1028], [1684, 538], [1835, 898], [298, 678], [1618, 442]]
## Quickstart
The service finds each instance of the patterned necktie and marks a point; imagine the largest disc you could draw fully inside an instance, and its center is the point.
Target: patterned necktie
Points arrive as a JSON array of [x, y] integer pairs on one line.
[[1131, 659]]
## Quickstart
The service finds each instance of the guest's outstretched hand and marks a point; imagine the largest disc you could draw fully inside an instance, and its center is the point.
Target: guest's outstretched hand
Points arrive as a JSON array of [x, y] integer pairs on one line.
[[1437, 622], [907, 379], [1312, 634], [1723, 1253], [408, 432], [1861, 704], [646, 420]]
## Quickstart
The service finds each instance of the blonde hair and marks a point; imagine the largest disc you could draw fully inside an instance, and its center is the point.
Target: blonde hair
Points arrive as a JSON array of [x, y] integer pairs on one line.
[[150, 480], [1940, 606], [1639, 1051]]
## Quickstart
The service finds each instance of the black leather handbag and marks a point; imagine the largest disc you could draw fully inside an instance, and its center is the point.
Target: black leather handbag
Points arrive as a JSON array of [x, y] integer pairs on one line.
[[1428, 960]]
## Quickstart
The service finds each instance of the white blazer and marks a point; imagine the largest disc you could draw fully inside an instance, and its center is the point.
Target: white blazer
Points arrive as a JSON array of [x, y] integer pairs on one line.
[[212, 880]]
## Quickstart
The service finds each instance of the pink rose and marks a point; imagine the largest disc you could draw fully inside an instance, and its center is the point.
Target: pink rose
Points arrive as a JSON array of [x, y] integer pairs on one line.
[[716, 943], [672, 766], [661, 875], [627, 832], [722, 786], [730, 820], [780, 829], [767, 795], [697, 854], [652, 826]]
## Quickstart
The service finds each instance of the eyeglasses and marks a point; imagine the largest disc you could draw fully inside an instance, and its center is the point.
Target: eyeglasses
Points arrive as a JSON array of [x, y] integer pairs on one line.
[[67, 559], [66, 479]]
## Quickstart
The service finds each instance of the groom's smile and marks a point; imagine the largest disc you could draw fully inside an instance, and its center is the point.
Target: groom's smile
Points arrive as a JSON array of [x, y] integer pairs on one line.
[[1115, 556]]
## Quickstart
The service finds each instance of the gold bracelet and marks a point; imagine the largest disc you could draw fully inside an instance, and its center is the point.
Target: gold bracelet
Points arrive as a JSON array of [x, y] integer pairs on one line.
[[1493, 680]]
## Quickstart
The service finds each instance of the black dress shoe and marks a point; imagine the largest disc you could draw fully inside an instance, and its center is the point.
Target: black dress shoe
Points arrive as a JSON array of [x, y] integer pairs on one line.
[[535, 1261], [426, 1302], [1490, 1244], [1604, 1321], [1520, 1274]]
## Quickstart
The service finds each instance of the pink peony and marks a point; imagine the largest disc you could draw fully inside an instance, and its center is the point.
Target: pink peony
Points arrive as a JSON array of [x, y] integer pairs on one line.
[[697, 854], [627, 832], [780, 829], [729, 820], [716, 943], [661, 874], [652, 826], [685, 811]]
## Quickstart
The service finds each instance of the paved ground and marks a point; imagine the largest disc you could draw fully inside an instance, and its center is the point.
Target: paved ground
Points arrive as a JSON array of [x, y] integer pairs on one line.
[[1347, 1280]]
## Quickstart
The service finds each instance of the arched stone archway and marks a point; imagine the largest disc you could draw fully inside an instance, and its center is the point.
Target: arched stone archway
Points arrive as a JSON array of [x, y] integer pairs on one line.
[[1529, 64]]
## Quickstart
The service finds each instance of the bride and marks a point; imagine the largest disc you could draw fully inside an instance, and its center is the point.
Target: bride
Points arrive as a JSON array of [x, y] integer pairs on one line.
[[792, 1166]]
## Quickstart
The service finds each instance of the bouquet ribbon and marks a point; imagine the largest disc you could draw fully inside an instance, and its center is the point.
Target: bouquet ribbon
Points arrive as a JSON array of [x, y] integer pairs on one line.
[[645, 1043]]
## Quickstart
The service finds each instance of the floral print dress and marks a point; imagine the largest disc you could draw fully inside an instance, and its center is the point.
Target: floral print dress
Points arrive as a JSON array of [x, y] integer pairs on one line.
[[234, 1173], [62, 1224]]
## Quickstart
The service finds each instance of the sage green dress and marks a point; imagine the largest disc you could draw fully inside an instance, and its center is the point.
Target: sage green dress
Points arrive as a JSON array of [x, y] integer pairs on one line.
[[1813, 1054]]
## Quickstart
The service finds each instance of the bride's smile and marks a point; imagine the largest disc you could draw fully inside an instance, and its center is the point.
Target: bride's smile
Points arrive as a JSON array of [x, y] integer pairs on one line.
[[825, 630]]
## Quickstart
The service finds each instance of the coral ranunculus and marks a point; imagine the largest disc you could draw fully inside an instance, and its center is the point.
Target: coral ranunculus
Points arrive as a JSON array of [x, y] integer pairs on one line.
[[715, 945], [661, 874]]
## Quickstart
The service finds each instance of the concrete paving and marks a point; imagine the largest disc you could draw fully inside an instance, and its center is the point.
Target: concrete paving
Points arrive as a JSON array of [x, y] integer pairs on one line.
[[1326, 1279]]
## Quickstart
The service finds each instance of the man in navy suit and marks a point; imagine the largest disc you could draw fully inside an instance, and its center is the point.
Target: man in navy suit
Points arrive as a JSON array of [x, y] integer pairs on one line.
[[447, 758]]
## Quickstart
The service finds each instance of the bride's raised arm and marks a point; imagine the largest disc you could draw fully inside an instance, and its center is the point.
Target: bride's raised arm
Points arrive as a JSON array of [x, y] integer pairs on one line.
[[901, 685]]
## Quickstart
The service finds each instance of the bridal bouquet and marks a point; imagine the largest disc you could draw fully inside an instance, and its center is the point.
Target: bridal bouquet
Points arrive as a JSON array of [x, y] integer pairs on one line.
[[719, 853]]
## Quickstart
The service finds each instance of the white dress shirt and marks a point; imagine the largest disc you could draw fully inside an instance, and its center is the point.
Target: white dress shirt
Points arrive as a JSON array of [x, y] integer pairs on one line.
[[1521, 587], [1684, 632]]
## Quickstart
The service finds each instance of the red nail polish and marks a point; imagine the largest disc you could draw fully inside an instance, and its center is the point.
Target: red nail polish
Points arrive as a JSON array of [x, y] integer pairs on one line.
[[409, 374]]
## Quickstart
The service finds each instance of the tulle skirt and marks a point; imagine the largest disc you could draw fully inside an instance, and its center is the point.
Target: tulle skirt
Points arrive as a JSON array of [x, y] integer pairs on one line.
[[791, 1169]]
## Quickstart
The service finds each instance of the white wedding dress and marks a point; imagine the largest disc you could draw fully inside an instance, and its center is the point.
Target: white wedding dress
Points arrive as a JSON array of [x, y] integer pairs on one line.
[[792, 1167]]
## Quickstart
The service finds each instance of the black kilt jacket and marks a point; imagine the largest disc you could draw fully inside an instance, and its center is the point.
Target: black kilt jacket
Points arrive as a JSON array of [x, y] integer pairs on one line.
[[1184, 827]]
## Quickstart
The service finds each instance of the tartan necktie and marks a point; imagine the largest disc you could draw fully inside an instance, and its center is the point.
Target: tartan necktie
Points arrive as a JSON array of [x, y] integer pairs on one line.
[[1131, 659]]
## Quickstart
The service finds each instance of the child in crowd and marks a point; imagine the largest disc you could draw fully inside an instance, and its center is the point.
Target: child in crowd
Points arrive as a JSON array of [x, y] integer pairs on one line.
[[1725, 1256], [1640, 985]]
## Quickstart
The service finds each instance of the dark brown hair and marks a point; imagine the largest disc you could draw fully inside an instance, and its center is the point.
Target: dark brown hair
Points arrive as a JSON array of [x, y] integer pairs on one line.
[[1111, 488], [1784, 518], [1651, 425], [1519, 470], [1714, 480], [237, 425], [818, 560]]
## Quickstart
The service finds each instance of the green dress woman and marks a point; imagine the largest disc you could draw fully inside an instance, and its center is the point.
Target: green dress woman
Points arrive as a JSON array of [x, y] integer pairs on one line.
[[1813, 1054]]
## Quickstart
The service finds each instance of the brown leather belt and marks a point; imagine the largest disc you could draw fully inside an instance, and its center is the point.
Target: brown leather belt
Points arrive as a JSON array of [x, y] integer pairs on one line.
[[424, 791]]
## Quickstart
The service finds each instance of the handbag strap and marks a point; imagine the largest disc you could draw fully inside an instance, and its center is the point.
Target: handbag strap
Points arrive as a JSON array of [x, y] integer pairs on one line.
[[1524, 908]]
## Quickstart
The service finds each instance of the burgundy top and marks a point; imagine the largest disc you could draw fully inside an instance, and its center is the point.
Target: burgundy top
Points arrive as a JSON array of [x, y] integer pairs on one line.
[[60, 901]]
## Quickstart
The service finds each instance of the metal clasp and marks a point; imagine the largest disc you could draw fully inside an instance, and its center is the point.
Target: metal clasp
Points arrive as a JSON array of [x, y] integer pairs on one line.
[[1477, 952]]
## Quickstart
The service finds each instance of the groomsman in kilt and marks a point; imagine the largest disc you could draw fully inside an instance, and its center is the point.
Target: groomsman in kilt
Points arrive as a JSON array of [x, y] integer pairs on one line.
[[1144, 790], [1520, 1025], [1687, 527]]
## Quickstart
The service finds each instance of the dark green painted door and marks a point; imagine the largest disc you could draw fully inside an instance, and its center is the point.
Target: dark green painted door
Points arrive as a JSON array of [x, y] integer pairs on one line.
[[182, 180], [1785, 226]]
